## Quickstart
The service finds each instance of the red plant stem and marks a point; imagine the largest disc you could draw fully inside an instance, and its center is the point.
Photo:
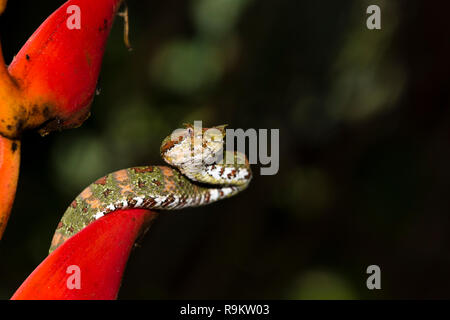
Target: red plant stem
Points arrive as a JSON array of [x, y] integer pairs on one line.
[[9, 173], [100, 251]]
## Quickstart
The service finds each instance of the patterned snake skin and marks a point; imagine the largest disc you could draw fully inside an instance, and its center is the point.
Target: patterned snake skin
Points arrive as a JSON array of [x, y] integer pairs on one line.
[[194, 178]]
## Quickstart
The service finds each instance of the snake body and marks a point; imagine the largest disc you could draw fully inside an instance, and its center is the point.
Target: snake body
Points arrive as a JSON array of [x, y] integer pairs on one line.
[[190, 181]]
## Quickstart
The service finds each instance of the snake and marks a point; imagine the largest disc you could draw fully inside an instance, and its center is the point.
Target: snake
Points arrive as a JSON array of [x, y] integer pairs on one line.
[[196, 176]]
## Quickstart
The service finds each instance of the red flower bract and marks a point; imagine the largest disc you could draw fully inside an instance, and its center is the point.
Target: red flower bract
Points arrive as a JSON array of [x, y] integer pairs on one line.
[[100, 251], [9, 173], [57, 69]]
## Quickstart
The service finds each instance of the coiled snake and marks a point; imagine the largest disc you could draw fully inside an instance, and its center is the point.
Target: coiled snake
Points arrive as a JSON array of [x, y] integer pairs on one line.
[[194, 178]]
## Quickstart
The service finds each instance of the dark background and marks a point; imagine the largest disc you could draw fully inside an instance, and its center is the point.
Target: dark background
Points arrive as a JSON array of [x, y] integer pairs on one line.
[[364, 147]]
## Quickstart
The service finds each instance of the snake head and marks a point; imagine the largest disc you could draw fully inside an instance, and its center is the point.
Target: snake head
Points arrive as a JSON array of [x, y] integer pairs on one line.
[[192, 147]]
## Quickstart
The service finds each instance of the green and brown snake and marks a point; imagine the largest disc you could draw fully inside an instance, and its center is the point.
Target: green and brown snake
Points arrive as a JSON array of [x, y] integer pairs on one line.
[[193, 179]]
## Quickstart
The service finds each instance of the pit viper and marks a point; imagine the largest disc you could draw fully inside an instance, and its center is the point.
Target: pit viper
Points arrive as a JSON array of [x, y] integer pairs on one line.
[[195, 177]]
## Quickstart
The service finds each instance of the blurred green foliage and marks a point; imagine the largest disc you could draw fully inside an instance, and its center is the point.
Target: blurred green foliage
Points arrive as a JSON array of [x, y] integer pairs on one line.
[[322, 285], [363, 153]]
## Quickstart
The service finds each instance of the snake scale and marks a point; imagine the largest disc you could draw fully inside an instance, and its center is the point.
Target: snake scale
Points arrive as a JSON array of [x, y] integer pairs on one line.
[[194, 178]]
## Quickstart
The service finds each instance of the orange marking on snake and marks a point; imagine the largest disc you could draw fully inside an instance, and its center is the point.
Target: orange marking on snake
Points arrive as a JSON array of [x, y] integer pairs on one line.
[[167, 146], [125, 188], [94, 203], [101, 181], [121, 175], [57, 239], [86, 193], [143, 170], [169, 185]]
